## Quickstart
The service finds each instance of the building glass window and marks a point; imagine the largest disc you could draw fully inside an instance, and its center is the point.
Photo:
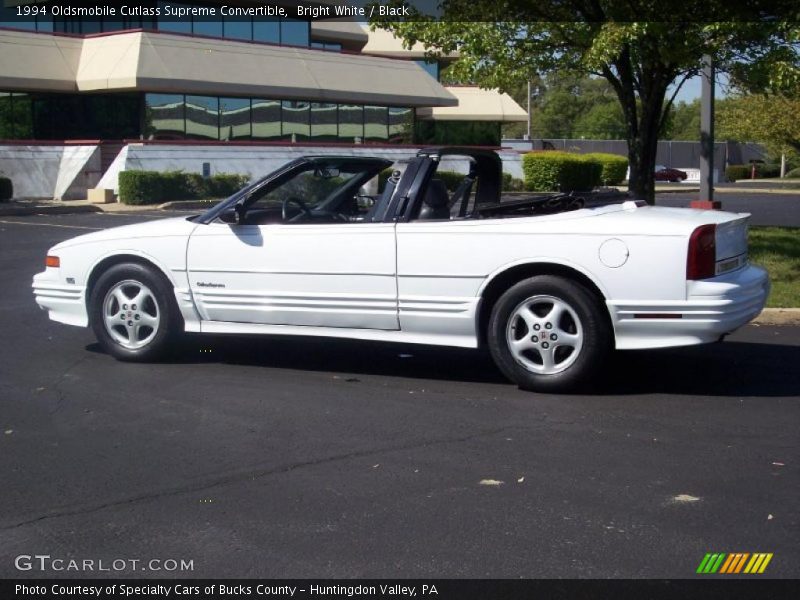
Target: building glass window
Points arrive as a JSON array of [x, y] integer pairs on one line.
[[112, 116], [202, 117], [376, 123], [209, 26], [7, 116], [23, 116], [266, 115], [351, 123], [431, 67], [326, 45], [166, 23], [234, 119], [323, 122], [266, 31], [296, 120], [90, 26], [238, 30], [165, 117], [401, 125], [295, 33]]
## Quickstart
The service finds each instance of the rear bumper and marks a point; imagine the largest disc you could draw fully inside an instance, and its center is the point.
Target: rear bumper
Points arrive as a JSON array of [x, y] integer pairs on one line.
[[63, 303], [713, 308]]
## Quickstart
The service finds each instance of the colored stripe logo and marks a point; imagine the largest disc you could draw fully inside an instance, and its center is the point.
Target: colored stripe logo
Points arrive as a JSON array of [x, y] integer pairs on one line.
[[734, 563]]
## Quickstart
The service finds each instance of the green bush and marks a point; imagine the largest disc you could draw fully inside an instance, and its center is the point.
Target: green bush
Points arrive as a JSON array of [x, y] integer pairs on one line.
[[793, 174], [154, 187], [615, 167], [451, 179], [6, 189], [141, 187], [737, 172], [768, 170], [512, 184], [556, 171]]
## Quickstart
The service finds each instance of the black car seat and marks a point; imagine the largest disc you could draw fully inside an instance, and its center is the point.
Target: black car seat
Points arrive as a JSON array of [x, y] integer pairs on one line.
[[436, 203]]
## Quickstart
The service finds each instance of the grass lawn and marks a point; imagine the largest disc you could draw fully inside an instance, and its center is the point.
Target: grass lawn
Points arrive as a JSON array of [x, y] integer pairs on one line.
[[778, 250]]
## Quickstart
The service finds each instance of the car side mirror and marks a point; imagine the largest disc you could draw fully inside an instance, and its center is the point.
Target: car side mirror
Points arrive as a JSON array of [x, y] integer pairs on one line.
[[241, 213], [365, 203]]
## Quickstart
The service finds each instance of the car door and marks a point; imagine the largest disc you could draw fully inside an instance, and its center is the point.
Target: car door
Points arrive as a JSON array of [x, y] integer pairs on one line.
[[331, 275]]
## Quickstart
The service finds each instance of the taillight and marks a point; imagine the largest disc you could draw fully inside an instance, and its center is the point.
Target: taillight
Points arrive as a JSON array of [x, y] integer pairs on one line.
[[702, 258], [52, 261]]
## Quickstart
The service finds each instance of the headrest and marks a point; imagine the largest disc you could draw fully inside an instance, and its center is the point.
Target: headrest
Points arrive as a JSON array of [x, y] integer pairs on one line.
[[436, 196]]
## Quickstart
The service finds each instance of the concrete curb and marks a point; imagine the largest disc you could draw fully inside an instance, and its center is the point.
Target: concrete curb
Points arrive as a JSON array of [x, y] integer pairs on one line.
[[24, 211], [778, 316]]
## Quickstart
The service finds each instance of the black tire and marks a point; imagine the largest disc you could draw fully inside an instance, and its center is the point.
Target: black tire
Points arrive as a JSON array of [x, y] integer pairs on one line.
[[574, 363], [160, 302]]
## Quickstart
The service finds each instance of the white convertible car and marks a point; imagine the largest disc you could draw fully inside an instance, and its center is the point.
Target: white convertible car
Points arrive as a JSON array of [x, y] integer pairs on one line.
[[550, 285]]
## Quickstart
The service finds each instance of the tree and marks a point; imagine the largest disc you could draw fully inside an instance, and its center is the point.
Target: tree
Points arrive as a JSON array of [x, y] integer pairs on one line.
[[505, 42], [683, 123], [771, 119]]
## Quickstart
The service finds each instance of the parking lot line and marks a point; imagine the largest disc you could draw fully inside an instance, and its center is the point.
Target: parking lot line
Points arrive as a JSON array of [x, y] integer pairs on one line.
[[51, 225]]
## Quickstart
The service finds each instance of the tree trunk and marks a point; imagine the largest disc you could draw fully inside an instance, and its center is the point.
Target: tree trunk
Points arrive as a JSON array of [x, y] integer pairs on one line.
[[642, 160], [643, 144]]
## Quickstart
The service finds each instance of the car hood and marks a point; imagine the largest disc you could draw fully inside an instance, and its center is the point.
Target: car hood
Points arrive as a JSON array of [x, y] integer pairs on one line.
[[176, 226]]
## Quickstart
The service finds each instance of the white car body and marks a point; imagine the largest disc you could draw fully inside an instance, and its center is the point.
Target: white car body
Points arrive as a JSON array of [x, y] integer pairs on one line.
[[424, 281]]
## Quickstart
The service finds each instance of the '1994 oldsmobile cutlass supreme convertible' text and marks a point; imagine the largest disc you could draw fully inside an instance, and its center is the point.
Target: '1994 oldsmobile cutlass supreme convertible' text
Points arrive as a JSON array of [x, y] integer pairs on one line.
[[549, 284]]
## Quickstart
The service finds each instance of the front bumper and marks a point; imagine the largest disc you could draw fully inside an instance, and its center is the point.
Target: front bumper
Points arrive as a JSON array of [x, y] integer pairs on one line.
[[713, 308], [63, 302]]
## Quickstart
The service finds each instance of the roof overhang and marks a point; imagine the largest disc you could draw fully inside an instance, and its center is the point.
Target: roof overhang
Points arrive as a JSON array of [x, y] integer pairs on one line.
[[172, 63], [475, 104]]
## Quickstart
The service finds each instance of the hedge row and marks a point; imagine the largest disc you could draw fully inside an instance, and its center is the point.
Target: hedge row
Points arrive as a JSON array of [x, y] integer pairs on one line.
[[615, 167], [737, 172], [793, 174], [154, 187], [555, 171], [6, 189]]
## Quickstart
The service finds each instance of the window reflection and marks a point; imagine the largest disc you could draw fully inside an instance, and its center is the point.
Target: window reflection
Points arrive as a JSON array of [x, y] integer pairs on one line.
[[266, 119], [296, 124], [376, 123], [323, 121], [401, 124], [351, 122], [202, 117], [234, 118], [176, 117], [164, 117]]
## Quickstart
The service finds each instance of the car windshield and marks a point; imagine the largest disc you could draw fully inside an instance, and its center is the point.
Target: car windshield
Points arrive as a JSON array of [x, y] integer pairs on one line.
[[314, 186]]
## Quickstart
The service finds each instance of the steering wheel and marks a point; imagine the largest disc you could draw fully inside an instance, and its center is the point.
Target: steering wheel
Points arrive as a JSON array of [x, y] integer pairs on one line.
[[300, 204]]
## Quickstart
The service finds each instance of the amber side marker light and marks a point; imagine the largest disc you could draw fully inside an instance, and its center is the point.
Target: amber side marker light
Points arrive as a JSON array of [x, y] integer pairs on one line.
[[52, 261]]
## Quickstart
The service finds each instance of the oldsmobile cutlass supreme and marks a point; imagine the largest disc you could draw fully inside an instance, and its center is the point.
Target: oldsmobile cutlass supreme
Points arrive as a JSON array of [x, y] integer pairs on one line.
[[549, 284]]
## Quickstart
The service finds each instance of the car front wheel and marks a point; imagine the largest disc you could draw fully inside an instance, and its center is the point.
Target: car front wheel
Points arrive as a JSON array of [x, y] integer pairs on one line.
[[548, 334], [132, 313]]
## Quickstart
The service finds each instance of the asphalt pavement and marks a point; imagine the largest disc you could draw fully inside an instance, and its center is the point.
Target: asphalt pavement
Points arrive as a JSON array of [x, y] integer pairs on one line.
[[271, 457]]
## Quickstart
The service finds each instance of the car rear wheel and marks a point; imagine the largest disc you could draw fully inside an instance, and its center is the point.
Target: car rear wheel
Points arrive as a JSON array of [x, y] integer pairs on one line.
[[132, 312], [548, 334]]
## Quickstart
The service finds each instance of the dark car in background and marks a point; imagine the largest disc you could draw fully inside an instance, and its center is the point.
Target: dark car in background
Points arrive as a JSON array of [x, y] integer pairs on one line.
[[672, 175]]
